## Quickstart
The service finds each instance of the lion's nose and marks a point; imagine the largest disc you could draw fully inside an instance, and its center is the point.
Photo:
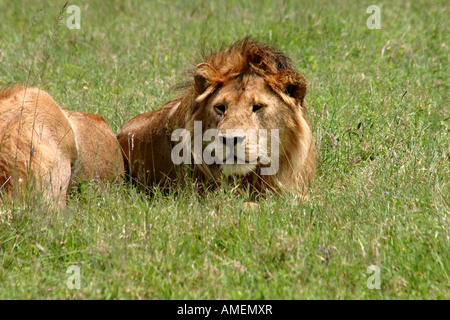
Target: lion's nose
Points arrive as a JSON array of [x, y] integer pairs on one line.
[[231, 140]]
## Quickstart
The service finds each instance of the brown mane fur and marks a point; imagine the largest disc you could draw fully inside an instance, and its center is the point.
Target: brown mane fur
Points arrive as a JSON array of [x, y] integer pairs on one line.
[[243, 57]]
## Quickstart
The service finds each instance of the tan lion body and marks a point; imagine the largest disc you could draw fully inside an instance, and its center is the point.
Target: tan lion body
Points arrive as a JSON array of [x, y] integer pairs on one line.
[[249, 86], [49, 147]]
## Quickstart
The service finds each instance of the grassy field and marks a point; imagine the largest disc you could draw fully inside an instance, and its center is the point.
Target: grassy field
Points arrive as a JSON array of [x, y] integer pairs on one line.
[[379, 106]]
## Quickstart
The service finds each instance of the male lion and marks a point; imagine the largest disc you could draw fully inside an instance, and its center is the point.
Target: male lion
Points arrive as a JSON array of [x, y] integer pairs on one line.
[[248, 87], [44, 147]]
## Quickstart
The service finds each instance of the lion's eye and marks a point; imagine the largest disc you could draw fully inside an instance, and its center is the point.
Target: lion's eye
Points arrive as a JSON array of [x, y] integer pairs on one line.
[[220, 109], [257, 107]]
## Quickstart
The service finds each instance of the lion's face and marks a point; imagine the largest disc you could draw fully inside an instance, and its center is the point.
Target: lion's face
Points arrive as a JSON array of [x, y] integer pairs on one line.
[[250, 118]]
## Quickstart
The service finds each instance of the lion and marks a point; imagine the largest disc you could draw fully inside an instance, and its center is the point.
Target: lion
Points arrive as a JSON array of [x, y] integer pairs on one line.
[[249, 87], [45, 148]]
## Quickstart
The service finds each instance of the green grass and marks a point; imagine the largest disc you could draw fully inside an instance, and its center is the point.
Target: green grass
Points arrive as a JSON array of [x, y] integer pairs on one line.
[[379, 106]]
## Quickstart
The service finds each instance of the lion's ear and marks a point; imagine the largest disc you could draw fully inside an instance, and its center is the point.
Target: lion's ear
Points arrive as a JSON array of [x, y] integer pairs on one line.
[[204, 76], [293, 84]]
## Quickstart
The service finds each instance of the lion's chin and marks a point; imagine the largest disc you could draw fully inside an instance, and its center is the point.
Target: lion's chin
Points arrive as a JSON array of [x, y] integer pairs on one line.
[[237, 169]]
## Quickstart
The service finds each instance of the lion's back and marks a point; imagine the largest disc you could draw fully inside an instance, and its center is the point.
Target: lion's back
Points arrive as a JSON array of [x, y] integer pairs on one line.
[[35, 137]]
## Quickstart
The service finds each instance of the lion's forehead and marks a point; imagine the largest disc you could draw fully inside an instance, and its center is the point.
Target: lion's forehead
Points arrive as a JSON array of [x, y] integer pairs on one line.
[[245, 90]]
